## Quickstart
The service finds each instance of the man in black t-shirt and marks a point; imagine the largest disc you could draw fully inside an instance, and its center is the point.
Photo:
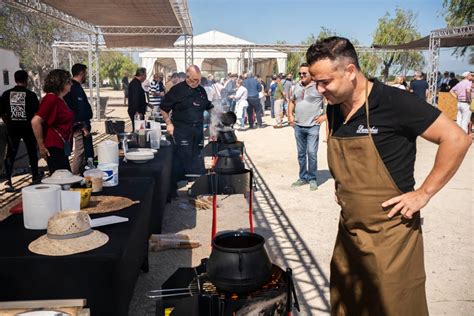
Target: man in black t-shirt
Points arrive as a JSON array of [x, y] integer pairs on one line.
[[77, 101], [419, 86], [182, 109], [377, 266], [136, 96], [17, 107]]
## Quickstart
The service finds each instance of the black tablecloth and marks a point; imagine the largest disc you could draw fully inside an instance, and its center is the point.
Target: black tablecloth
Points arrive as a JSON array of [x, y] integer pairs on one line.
[[105, 276], [160, 170]]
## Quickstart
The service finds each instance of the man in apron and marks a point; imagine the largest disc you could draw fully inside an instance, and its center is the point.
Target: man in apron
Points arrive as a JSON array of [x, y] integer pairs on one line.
[[187, 102], [377, 266]]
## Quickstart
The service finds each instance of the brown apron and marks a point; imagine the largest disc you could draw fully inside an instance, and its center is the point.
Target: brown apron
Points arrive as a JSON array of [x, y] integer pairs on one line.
[[377, 266]]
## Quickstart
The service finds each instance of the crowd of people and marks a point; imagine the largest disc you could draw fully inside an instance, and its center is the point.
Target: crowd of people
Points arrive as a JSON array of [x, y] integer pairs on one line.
[[448, 82], [54, 126]]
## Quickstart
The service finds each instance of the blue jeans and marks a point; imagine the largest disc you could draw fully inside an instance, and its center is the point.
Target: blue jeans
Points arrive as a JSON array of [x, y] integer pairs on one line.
[[307, 141]]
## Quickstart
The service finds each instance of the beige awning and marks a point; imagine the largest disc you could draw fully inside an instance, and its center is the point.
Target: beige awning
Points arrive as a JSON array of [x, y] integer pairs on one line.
[[155, 14]]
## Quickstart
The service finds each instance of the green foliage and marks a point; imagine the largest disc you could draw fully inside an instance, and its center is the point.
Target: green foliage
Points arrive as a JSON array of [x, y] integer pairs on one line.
[[30, 36], [294, 60], [398, 30], [459, 13], [114, 65]]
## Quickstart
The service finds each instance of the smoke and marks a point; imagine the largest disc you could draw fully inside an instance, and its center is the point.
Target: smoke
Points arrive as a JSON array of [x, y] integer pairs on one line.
[[216, 115]]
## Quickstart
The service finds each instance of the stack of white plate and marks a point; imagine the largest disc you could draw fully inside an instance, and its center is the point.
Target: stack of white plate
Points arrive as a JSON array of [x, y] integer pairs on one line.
[[139, 156], [144, 150]]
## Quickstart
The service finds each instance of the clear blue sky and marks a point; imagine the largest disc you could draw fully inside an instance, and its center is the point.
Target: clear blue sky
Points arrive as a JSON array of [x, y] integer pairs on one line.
[[265, 21]]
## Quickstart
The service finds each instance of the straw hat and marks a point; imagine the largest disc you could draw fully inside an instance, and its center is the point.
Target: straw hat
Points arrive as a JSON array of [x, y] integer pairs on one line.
[[62, 176], [69, 232]]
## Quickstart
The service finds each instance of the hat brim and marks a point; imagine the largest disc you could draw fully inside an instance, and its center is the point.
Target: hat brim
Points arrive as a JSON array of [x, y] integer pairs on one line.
[[63, 247], [70, 180]]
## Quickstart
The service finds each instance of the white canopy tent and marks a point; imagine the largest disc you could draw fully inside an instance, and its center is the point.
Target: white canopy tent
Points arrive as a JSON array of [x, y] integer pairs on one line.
[[216, 52]]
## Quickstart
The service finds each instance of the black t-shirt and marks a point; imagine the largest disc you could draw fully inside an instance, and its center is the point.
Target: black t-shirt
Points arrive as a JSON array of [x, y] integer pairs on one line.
[[18, 106], [136, 97], [77, 101], [187, 104], [419, 88], [396, 117], [452, 83]]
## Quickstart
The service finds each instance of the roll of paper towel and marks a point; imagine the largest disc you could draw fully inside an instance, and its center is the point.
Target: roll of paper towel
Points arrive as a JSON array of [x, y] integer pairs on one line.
[[108, 152], [40, 202]]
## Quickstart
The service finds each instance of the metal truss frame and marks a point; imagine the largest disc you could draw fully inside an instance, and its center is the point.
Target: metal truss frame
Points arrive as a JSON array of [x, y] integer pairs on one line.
[[188, 50], [435, 44], [93, 74], [49, 11], [114, 30]]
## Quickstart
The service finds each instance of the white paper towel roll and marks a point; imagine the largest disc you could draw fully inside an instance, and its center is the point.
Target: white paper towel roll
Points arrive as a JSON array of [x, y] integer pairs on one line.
[[40, 202], [108, 152]]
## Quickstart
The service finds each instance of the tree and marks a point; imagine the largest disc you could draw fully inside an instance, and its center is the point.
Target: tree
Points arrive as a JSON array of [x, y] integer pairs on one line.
[[31, 37], [398, 30], [459, 13], [114, 65]]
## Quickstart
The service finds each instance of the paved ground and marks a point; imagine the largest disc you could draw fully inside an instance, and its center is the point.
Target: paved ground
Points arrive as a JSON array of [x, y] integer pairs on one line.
[[300, 226]]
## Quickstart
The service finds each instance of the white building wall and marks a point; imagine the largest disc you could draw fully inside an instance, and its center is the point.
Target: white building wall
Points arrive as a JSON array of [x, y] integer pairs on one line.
[[10, 63]]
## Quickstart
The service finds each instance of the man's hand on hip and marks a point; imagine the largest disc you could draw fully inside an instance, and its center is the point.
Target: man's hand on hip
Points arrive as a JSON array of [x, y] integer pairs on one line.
[[407, 204]]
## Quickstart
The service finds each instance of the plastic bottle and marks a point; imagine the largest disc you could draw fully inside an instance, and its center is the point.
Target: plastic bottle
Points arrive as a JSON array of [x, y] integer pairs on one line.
[[90, 164]]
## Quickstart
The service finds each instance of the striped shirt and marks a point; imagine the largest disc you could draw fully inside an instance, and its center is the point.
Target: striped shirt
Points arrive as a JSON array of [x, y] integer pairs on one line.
[[156, 87]]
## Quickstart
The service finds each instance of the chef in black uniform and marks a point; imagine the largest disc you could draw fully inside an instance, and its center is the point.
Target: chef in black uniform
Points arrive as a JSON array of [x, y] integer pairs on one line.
[[182, 108]]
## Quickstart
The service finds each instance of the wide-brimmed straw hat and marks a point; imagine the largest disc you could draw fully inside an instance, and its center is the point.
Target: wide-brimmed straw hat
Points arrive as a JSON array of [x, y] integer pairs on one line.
[[69, 232], [62, 176]]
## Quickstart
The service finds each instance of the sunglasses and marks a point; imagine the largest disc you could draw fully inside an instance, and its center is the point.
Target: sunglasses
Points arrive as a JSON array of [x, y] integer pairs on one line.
[[303, 74]]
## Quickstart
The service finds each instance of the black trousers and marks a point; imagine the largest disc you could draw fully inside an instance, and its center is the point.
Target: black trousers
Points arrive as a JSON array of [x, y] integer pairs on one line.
[[57, 160], [254, 106], [14, 136], [186, 153]]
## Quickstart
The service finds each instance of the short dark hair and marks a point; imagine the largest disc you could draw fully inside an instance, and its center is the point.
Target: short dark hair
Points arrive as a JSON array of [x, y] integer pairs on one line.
[[140, 72], [174, 75], [56, 80], [181, 75], [77, 69], [21, 76], [332, 48], [304, 65]]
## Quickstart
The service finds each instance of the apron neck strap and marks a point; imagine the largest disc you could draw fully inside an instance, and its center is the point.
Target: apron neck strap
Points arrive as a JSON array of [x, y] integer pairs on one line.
[[366, 111], [367, 105]]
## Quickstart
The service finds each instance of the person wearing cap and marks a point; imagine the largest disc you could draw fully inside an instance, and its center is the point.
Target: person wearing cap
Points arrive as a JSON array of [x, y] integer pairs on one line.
[[182, 109], [462, 92], [17, 107], [377, 266]]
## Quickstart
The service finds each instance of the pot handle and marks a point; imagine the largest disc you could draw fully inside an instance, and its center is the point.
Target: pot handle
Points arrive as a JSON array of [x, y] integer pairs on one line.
[[240, 262]]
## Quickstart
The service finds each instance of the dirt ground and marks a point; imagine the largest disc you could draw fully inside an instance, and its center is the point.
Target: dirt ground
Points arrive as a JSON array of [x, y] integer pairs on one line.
[[300, 226]]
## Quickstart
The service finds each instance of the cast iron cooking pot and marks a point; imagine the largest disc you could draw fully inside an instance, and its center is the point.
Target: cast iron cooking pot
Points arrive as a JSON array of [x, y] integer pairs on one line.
[[229, 161], [239, 262]]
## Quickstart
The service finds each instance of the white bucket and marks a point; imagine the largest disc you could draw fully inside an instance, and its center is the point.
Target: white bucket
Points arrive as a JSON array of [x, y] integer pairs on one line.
[[40, 202], [111, 177], [108, 152]]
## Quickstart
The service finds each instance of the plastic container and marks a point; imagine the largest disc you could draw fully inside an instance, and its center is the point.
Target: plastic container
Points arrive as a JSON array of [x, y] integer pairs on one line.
[[110, 174], [94, 178]]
